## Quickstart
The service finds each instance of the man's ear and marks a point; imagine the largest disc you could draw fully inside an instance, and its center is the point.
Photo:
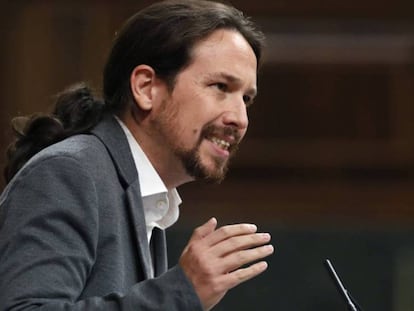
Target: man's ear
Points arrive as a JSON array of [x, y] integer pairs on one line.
[[142, 82]]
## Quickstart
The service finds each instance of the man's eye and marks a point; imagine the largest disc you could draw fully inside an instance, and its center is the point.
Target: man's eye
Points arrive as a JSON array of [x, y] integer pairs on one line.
[[221, 86]]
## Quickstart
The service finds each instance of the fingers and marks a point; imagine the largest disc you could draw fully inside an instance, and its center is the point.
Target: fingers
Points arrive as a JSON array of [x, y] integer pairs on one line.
[[204, 230], [240, 242], [229, 231], [240, 258], [232, 279]]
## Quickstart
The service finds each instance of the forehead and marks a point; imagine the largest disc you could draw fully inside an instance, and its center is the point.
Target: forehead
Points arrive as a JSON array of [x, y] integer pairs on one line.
[[226, 51]]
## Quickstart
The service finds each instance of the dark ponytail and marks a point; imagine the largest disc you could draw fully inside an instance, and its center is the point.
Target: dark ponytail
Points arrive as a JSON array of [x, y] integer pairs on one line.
[[76, 111]]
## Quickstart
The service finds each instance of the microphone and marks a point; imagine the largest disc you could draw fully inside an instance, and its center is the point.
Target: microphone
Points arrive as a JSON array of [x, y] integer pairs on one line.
[[342, 290]]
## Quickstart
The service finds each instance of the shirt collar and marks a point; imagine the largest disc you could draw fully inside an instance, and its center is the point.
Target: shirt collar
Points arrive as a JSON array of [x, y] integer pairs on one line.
[[149, 180]]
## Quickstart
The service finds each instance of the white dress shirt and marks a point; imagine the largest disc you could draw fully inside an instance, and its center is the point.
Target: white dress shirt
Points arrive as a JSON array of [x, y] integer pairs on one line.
[[160, 205]]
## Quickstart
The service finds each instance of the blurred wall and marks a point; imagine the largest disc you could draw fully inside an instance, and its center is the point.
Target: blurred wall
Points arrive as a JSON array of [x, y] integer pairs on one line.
[[328, 163]]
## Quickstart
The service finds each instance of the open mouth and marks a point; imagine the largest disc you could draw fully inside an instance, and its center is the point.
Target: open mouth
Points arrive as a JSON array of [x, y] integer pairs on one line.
[[225, 139], [220, 143]]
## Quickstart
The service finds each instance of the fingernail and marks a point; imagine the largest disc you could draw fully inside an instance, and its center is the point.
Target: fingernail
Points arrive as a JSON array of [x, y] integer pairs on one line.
[[252, 227], [265, 236]]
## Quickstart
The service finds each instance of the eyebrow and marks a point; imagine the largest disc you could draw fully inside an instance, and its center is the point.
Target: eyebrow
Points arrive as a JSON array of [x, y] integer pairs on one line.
[[233, 79]]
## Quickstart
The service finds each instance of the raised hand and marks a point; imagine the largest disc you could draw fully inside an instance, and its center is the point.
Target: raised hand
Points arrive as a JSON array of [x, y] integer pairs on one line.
[[214, 258]]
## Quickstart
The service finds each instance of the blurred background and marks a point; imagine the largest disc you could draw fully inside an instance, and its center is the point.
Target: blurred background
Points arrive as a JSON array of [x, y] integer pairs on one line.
[[327, 166]]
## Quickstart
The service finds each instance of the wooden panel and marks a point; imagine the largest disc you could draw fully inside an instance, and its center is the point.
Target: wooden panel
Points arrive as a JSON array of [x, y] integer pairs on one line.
[[336, 117], [331, 9], [298, 8], [322, 102], [336, 203]]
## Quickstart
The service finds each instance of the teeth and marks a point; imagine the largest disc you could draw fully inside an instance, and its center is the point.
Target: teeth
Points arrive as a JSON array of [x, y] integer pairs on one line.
[[221, 143]]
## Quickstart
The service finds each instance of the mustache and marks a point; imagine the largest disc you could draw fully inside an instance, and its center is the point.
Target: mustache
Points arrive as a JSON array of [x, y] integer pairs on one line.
[[213, 130]]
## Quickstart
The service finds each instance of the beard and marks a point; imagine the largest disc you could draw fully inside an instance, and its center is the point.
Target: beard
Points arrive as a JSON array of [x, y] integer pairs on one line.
[[190, 158], [193, 164]]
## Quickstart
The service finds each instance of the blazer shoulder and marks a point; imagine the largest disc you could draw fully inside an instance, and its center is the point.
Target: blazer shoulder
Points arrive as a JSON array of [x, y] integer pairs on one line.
[[81, 152]]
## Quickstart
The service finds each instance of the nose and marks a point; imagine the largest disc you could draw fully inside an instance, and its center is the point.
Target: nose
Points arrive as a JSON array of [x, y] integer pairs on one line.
[[237, 115]]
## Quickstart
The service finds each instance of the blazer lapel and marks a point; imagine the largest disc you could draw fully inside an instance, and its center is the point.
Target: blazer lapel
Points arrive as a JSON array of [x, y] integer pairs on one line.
[[111, 134], [159, 246], [137, 215]]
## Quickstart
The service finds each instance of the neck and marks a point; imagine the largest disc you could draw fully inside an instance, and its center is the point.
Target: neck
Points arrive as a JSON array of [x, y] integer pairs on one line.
[[168, 167]]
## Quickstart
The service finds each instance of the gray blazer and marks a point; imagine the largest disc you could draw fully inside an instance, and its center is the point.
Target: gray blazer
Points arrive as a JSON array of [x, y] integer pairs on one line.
[[73, 236]]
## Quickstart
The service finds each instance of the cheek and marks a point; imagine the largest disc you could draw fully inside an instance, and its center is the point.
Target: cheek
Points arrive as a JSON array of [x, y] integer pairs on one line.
[[191, 126], [194, 136], [186, 132], [195, 133]]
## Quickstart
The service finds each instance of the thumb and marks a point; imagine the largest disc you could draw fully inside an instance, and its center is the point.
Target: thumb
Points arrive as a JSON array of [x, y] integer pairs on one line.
[[204, 230]]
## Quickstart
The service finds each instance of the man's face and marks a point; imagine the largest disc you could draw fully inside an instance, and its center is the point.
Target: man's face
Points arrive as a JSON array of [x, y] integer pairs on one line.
[[204, 117]]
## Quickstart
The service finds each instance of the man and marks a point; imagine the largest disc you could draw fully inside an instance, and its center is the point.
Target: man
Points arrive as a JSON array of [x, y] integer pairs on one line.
[[92, 187]]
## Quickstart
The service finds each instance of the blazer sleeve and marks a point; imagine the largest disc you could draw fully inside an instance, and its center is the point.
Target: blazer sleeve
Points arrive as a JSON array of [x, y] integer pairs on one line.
[[48, 240]]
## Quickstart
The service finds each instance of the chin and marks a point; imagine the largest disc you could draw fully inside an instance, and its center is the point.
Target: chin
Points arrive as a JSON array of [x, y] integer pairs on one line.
[[209, 169], [213, 173], [205, 173]]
